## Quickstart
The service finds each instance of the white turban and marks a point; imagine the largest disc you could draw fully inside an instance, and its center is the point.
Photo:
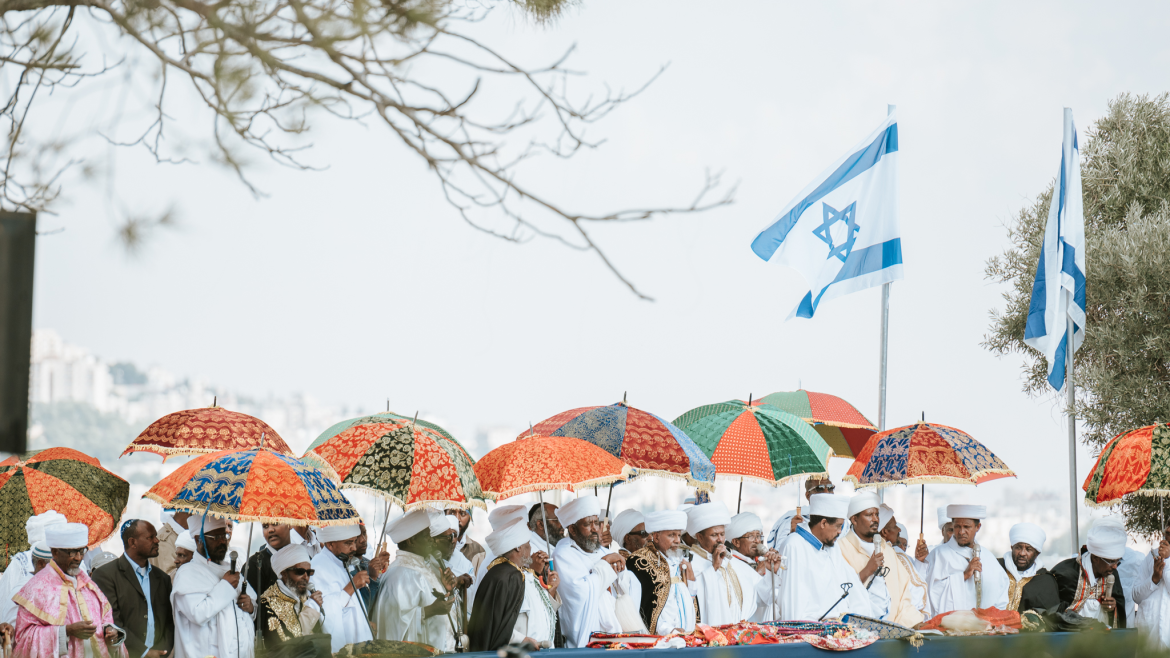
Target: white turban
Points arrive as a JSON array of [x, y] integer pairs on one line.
[[503, 514], [861, 502], [67, 535], [685, 506], [577, 509], [339, 532], [623, 524], [408, 525], [1029, 533], [289, 556], [35, 525], [830, 506], [707, 515], [185, 540], [977, 512], [437, 522], [509, 537], [41, 551], [943, 519], [205, 524], [670, 519], [903, 532], [741, 524], [885, 513], [1107, 541]]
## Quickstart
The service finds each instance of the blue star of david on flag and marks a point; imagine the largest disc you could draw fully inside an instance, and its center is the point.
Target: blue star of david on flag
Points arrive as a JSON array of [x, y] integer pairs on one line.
[[831, 216]]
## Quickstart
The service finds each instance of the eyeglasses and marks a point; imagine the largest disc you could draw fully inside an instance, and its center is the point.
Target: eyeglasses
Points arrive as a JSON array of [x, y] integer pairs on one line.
[[824, 488], [638, 533], [70, 552], [225, 536], [297, 571], [1112, 563]]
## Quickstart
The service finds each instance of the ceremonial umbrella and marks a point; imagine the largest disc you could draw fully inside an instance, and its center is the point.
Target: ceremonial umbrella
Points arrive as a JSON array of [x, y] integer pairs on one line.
[[639, 438], [756, 442], [203, 431], [924, 453], [1133, 462], [64, 480], [839, 423]]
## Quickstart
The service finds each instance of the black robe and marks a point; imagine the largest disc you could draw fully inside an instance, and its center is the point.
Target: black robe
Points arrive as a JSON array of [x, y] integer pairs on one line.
[[1040, 593], [653, 575], [1068, 576], [261, 576], [496, 607]]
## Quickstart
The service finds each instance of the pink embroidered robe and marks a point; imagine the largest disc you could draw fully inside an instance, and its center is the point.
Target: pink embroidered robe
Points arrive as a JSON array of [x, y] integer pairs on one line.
[[50, 600]]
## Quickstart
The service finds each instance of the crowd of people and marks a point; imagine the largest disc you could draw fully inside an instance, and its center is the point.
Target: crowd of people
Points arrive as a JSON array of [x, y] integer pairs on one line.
[[547, 576]]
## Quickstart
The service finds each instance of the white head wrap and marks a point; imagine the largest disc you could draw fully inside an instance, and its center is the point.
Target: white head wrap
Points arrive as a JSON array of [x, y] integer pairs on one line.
[[670, 519], [577, 509], [437, 521], [67, 535], [185, 540], [408, 525], [35, 525], [289, 556], [943, 519], [40, 550], [511, 536], [1029, 533], [624, 523], [339, 532], [885, 513], [707, 515], [201, 524], [830, 506], [903, 533], [861, 502], [500, 516], [1106, 540], [977, 512], [743, 523]]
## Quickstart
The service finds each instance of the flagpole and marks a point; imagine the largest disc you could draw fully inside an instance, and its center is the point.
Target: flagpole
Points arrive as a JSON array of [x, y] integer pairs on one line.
[[1070, 390], [884, 349]]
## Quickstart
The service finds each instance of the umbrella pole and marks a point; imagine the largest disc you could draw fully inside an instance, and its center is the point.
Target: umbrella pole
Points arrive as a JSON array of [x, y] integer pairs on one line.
[[608, 503], [386, 522], [922, 515], [544, 519], [739, 502]]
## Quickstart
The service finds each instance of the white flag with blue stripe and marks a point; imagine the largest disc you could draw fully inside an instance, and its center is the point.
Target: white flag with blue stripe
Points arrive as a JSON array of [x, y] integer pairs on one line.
[[841, 232], [1059, 291]]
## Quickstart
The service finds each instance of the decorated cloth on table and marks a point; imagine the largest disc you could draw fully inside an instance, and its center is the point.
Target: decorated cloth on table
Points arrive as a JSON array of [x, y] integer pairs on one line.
[[886, 630], [807, 627], [858, 638], [832, 635], [386, 649], [967, 622]]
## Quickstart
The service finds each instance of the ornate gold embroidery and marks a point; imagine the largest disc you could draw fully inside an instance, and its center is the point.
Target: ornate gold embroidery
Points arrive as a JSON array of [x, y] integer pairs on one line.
[[284, 613], [648, 560], [1015, 590]]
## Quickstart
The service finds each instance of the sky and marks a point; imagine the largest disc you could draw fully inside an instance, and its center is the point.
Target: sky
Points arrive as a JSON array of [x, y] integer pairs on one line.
[[359, 284]]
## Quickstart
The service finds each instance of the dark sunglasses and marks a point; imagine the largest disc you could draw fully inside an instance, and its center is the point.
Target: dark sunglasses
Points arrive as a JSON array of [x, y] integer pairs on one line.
[[297, 571], [639, 533]]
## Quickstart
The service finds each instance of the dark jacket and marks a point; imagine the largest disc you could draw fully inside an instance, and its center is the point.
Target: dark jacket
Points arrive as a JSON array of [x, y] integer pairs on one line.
[[1068, 574], [120, 585]]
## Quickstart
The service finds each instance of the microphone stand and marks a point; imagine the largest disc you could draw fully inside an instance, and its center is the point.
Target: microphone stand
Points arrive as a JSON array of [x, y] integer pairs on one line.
[[883, 572], [356, 591], [845, 587]]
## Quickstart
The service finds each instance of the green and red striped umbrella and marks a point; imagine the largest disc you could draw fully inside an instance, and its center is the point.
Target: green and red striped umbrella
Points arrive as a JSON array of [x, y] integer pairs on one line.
[[758, 442], [1133, 462], [839, 423]]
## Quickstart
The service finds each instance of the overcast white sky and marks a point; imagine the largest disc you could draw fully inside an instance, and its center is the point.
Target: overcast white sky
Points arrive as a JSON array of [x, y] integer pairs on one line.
[[359, 283]]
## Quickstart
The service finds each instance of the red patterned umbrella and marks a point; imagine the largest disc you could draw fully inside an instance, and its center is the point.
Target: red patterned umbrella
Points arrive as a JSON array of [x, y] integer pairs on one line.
[[546, 463], [1133, 462], [839, 423], [207, 430]]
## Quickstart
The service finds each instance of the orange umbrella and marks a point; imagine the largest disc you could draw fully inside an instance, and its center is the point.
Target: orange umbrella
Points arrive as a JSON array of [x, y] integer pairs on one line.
[[544, 463], [206, 430]]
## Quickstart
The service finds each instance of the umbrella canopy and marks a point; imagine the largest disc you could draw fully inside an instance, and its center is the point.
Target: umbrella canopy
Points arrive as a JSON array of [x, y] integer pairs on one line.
[[204, 431], [839, 423], [61, 479], [639, 438], [409, 464], [546, 463], [1132, 462], [374, 419], [257, 486], [756, 442], [925, 453]]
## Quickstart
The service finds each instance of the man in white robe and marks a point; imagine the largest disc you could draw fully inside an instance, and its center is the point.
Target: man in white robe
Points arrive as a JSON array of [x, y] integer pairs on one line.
[[916, 588], [214, 607], [956, 579], [586, 572], [818, 581], [20, 569], [414, 602], [758, 568], [1087, 584], [1151, 592], [664, 582], [876, 561], [922, 551], [718, 591], [788, 522], [345, 618]]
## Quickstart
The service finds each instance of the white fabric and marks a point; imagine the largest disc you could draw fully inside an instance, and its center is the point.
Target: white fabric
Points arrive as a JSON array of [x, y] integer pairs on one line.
[[67, 535], [460, 565], [666, 520], [885, 513], [185, 540], [623, 524], [577, 509], [861, 502], [707, 515], [978, 512], [806, 236], [718, 602], [344, 619], [41, 551], [943, 519], [437, 523], [534, 620], [916, 589], [509, 537], [831, 506], [503, 514], [879, 593], [1029, 533], [904, 534], [948, 589], [586, 606], [1129, 572], [538, 543], [35, 526], [289, 556], [743, 523], [408, 586], [1153, 602], [679, 609], [342, 532], [16, 576], [402, 528], [812, 582], [1106, 540], [783, 527], [761, 593], [205, 523], [1010, 566], [207, 620]]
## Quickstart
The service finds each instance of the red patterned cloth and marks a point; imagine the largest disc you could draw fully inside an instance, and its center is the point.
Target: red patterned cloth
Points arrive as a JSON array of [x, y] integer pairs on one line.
[[202, 431], [545, 463], [999, 619]]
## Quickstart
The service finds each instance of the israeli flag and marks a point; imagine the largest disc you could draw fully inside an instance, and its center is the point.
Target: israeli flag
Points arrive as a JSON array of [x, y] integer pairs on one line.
[[1059, 291], [841, 232]]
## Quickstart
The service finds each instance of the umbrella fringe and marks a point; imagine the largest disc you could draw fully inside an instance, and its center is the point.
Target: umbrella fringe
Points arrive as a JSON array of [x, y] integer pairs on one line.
[[198, 508], [701, 485], [772, 483], [556, 486], [1152, 493], [432, 504], [848, 426], [927, 479]]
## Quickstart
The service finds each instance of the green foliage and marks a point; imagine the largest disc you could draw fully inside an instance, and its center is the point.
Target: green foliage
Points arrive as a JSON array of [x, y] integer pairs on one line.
[[1123, 367]]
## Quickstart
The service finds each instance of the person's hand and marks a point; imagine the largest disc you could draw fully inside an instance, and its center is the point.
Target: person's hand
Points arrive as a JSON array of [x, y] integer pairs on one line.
[[773, 561], [921, 552], [531, 642], [1109, 603], [82, 630], [972, 566], [616, 561], [449, 580], [154, 653], [606, 536], [8, 631], [796, 520], [552, 582], [688, 572], [438, 608], [539, 561], [361, 579], [1159, 566], [316, 596], [876, 561], [245, 603], [717, 556], [1164, 549], [233, 578], [463, 581], [111, 634], [379, 564]]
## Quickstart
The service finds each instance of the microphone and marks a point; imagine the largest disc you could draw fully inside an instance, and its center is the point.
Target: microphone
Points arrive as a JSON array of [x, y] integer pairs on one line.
[[313, 590], [234, 556]]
